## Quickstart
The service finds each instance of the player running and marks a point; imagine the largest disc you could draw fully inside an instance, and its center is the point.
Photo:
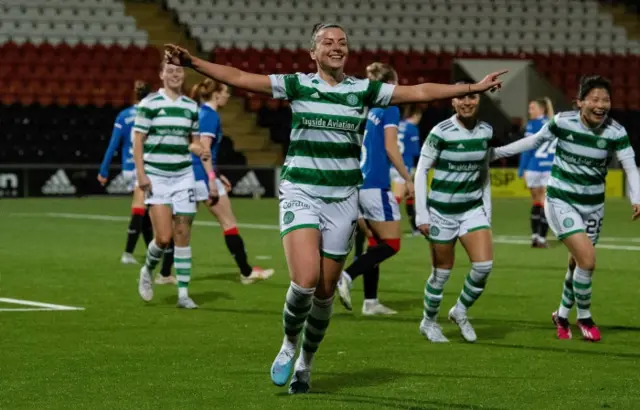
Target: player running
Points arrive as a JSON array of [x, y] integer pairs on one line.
[[320, 177], [165, 133], [535, 165], [457, 208], [574, 203], [379, 208], [212, 96], [121, 140], [409, 143]]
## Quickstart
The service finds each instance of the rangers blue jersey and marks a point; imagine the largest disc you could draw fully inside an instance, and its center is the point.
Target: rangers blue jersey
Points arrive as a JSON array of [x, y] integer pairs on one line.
[[210, 127], [374, 162], [541, 158], [409, 143], [121, 141]]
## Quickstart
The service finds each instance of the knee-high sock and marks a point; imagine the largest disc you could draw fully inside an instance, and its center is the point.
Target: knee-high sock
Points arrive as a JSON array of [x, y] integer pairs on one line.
[[235, 244], [372, 257], [568, 297], [296, 309], [433, 291], [182, 262], [147, 228], [543, 227], [135, 226], [315, 329], [360, 235], [582, 291], [535, 218], [474, 284], [154, 253], [411, 213], [167, 260], [370, 280]]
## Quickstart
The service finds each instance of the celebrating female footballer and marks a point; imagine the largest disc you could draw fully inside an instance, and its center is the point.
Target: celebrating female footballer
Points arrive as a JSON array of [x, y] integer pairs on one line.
[[574, 203], [320, 177]]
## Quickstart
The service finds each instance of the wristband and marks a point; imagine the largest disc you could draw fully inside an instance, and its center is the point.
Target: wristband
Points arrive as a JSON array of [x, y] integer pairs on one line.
[[211, 174]]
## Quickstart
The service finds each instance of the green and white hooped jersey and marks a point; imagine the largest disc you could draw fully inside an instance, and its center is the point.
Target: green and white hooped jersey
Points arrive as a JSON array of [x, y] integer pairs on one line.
[[461, 166], [580, 164], [168, 125], [324, 153]]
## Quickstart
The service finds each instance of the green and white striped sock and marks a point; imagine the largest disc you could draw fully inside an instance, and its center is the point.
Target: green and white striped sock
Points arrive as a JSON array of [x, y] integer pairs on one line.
[[582, 291], [315, 328], [568, 297], [182, 263], [296, 309], [474, 284], [433, 292], [154, 254]]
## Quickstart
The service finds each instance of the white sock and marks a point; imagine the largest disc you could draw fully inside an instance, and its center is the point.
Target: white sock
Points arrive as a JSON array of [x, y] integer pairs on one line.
[[183, 292]]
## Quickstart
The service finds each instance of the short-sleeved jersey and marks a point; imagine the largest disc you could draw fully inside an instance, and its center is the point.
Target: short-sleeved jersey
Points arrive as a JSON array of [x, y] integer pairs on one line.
[[374, 161], [541, 158], [582, 154], [121, 141], [324, 153], [210, 126], [461, 165], [168, 125], [409, 143]]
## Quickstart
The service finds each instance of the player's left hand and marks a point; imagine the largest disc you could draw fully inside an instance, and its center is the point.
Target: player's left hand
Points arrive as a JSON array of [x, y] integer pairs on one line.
[[102, 180], [177, 55], [225, 182], [636, 211], [491, 82], [410, 189]]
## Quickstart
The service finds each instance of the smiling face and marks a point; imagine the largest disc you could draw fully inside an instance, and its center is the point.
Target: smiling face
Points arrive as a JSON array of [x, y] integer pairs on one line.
[[172, 76], [595, 107], [467, 106], [330, 49]]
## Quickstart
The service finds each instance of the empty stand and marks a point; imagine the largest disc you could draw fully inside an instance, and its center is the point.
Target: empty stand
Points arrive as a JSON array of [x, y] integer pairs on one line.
[[429, 25], [81, 74], [68, 21]]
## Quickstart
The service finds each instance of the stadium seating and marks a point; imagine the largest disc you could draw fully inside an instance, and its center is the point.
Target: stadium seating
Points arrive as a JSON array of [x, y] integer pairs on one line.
[[420, 37], [68, 21], [434, 25], [81, 74]]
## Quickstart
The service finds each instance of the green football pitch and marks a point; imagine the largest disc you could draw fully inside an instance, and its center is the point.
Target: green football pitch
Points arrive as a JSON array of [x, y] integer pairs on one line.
[[116, 352]]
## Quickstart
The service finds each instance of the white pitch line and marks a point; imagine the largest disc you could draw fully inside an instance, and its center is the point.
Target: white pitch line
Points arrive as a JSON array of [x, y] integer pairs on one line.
[[27, 310], [502, 239], [49, 306], [97, 217]]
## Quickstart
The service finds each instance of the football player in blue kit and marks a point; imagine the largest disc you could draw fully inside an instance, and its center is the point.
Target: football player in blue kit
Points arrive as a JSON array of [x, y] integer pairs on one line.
[[378, 207], [212, 189], [535, 166], [121, 141], [409, 145]]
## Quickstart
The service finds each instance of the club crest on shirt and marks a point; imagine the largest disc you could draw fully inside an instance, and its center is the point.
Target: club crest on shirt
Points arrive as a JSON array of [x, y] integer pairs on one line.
[[352, 99], [601, 144]]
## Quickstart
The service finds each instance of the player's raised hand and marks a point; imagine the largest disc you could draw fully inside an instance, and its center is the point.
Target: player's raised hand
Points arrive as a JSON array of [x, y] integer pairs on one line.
[[177, 55], [491, 82], [636, 211]]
